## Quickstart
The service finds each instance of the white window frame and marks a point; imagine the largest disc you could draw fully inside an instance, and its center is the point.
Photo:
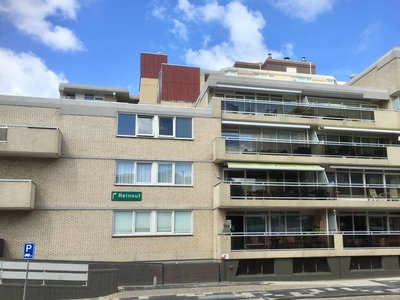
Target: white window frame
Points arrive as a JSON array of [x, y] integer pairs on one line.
[[93, 96], [154, 173], [156, 127], [153, 223]]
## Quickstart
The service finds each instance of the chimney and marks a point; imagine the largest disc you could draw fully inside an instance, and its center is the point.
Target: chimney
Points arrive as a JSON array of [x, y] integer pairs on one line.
[[287, 58], [269, 55], [303, 59]]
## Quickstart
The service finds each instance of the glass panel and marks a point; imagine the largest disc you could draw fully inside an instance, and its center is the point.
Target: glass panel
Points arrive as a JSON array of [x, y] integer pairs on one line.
[[293, 223], [360, 223], [145, 125], [143, 173], [233, 143], [307, 223], [165, 126], [344, 179], [123, 222], [346, 223], [393, 179], [233, 175], [394, 223], [377, 224], [142, 222], [375, 179], [255, 224], [298, 135], [183, 128], [183, 174], [357, 179], [164, 222], [278, 223], [247, 144], [125, 172], [126, 124], [183, 222], [164, 173]]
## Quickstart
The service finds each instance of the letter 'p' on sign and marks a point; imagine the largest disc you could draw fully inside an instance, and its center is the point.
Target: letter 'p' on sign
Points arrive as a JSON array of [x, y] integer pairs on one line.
[[29, 251]]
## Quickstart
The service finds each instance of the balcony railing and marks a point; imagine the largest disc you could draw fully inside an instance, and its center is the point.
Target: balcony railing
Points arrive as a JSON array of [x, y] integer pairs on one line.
[[304, 148], [371, 239], [294, 109], [245, 241], [312, 191]]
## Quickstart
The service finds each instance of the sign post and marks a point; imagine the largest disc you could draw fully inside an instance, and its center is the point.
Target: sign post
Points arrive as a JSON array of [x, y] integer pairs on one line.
[[28, 253]]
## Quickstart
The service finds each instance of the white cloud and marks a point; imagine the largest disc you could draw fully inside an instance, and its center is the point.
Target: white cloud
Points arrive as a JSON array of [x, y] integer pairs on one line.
[[24, 74], [365, 38], [307, 10], [180, 30], [30, 17], [244, 43], [159, 9]]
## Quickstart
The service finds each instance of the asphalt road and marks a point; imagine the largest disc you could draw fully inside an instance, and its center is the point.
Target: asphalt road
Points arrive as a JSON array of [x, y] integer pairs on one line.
[[366, 289]]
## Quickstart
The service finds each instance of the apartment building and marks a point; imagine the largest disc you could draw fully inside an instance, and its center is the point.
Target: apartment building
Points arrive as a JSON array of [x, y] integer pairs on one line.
[[265, 170]]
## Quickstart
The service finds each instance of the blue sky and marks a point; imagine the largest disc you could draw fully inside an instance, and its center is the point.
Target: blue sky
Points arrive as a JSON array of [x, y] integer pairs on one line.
[[98, 42]]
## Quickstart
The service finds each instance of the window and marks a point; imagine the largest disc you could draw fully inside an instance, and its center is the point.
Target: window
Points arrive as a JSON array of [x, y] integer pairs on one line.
[[255, 266], [365, 262], [156, 126], [153, 173], [93, 97], [152, 222], [145, 125], [310, 265]]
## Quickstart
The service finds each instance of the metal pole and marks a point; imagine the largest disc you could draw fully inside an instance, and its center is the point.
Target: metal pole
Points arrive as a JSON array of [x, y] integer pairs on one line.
[[26, 280]]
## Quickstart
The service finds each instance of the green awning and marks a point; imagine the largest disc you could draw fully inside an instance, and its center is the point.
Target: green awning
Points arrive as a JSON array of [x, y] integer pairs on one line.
[[261, 166]]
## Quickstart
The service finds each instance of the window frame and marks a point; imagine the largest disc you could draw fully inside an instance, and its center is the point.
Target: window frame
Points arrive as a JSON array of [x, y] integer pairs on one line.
[[153, 223], [154, 173], [155, 132]]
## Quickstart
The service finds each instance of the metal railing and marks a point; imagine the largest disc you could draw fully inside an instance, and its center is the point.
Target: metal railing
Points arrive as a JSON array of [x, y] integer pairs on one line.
[[305, 148], [295, 109], [371, 239], [312, 191], [246, 241]]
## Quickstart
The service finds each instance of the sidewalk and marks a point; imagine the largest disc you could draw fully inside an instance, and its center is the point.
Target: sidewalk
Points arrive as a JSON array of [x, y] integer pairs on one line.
[[207, 289]]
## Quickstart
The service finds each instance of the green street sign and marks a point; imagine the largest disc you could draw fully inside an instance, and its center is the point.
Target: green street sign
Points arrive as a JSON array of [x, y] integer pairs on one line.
[[126, 196]]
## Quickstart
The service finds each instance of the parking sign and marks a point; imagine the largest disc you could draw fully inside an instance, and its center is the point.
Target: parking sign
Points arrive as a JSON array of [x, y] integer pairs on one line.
[[29, 251]]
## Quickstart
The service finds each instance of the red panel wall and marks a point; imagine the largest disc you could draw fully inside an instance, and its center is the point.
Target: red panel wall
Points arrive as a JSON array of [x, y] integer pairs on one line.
[[150, 64], [179, 83]]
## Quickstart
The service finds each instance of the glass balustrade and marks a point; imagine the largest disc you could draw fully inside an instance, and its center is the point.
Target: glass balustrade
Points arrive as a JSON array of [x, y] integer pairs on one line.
[[307, 191], [293, 109], [371, 240], [281, 241], [283, 147]]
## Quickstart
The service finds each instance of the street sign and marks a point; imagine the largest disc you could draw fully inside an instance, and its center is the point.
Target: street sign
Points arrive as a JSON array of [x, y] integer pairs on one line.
[[29, 251], [126, 196]]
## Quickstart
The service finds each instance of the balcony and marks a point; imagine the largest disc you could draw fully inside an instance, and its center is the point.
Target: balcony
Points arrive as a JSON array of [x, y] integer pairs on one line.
[[17, 194], [371, 239], [311, 195], [258, 149], [30, 141], [306, 109], [310, 244], [282, 241]]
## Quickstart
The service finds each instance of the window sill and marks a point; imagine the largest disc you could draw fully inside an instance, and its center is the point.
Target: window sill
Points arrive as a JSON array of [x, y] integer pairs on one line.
[[155, 137], [151, 235], [153, 185]]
